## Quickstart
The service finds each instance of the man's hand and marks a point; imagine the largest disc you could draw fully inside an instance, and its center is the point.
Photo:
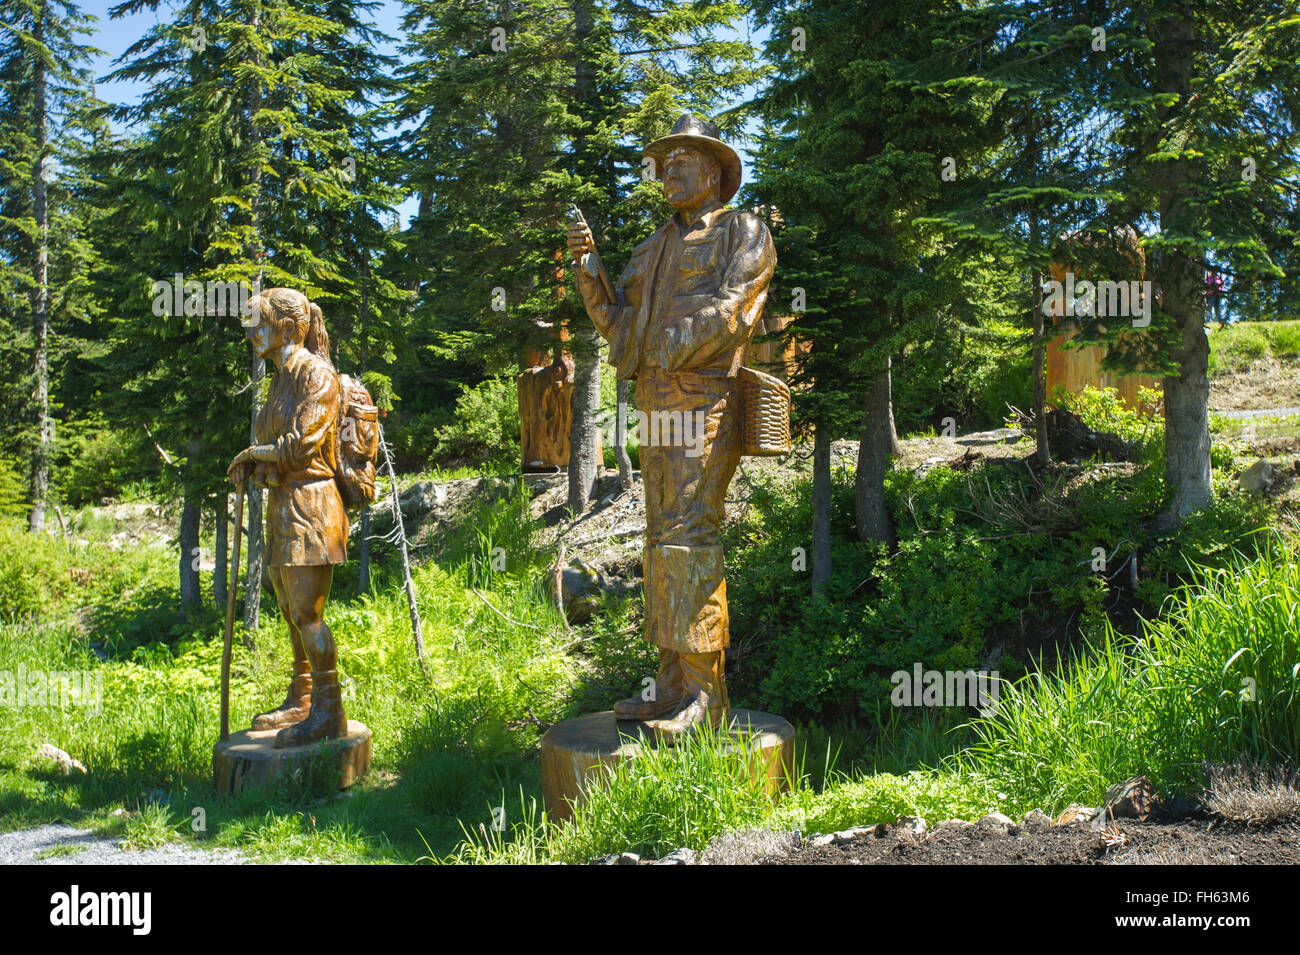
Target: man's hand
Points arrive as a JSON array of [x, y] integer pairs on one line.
[[580, 240]]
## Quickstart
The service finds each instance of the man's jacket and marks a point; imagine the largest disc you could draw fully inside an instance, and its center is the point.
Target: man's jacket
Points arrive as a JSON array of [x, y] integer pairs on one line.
[[690, 298]]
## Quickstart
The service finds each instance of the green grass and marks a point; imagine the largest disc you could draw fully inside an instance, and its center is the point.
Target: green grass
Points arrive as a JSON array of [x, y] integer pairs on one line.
[[1236, 347], [455, 774], [1216, 678], [444, 748]]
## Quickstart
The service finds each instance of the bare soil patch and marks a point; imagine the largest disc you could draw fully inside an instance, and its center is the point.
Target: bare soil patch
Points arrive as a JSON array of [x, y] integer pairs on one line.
[[1187, 842], [1267, 383]]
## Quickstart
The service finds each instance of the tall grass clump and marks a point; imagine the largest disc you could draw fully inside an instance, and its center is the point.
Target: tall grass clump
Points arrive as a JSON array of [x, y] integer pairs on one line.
[[666, 798], [1214, 678]]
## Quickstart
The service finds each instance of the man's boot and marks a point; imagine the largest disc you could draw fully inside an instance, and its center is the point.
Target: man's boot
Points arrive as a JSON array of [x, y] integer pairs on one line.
[[665, 695], [704, 696], [326, 719], [296, 705]]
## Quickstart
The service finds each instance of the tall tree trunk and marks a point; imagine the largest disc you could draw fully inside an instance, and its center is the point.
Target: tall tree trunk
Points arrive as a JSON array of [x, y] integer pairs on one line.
[[620, 437], [583, 434], [1182, 284], [191, 592], [1034, 157], [1042, 453], [821, 489], [874, 452], [221, 570], [256, 528], [254, 496], [40, 469]]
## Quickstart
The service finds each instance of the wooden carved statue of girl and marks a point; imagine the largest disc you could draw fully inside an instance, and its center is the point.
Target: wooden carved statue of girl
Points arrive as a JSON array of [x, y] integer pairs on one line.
[[306, 523]]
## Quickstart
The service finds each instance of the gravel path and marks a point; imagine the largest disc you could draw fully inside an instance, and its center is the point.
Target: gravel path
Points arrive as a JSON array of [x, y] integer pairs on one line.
[[57, 844], [1260, 413]]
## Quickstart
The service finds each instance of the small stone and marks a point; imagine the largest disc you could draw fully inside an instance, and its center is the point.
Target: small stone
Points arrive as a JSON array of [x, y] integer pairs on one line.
[[677, 857], [913, 825], [957, 824], [1258, 477], [816, 842], [64, 761], [996, 820], [1075, 815], [628, 858], [796, 838], [855, 834], [1036, 819], [1134, 798]]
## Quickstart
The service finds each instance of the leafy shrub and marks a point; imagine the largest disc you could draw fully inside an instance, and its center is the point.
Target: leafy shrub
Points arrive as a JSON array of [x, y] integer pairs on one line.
[[970, 377], [483, 431], [884, 797], [97, 462]]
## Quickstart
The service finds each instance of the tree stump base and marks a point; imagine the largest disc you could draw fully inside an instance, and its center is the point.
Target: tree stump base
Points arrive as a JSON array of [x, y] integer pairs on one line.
[[250, 760], [576, 752]]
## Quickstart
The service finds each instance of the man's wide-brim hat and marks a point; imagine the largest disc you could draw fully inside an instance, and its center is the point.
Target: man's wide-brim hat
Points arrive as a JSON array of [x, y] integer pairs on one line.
[[692, 131]]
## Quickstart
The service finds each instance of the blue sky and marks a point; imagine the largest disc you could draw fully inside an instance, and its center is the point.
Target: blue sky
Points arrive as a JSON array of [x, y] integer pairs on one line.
[[114, 36]]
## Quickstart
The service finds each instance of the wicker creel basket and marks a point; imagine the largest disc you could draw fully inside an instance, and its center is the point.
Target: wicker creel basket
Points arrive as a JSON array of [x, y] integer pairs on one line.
[[765, 404]]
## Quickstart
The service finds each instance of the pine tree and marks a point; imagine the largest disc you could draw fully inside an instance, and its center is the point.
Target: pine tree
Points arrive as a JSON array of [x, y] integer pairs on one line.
[[853, 155], [246, 173], [1206, 147], [521, 109], [44, 78]]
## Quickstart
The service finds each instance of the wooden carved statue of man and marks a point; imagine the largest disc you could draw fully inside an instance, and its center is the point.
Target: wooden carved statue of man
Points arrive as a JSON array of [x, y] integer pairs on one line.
[[680, 320], [306, 523]]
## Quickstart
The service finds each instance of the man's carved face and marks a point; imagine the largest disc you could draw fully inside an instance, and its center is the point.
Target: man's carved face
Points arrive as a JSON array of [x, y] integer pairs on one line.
[[690, 177]]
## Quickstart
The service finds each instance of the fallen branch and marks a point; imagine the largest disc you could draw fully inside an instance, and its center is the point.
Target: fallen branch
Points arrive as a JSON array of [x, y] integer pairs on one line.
[[517, 623], [557, 584], [613, 535]]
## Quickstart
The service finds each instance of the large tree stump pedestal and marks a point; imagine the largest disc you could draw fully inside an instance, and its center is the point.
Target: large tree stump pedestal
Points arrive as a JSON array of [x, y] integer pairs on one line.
[[250, 759], [576, 752]]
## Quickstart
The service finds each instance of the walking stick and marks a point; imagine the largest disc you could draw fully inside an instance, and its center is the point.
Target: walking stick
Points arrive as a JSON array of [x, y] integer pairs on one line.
[[230, 614]]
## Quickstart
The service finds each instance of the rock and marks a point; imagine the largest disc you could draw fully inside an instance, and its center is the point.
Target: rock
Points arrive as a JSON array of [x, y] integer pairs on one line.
[[855, 834], [583, 586], [905, 825], [1134, 798], [996, 820], [628, 858], [996, 436], [816, 842], [1076, 815], [1036, 819], [677, 857], [957, 824], [1257, 478], [421, 497], [65, 762]]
